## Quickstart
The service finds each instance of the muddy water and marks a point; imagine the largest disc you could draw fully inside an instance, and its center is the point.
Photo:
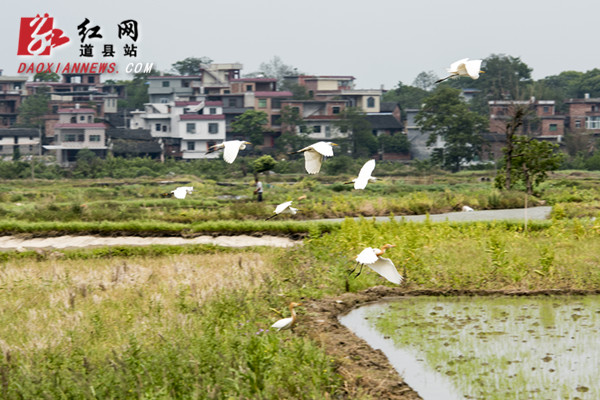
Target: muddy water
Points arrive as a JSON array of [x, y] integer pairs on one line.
[[488, 347]]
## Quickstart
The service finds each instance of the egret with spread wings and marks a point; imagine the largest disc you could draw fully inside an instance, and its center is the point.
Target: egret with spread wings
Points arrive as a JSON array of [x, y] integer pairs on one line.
[[364, 176], [464, 67], [371, 257], [315, 154], [231, 148]]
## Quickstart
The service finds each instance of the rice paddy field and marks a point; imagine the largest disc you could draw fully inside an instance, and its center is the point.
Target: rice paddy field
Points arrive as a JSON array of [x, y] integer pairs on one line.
[[162, 322]]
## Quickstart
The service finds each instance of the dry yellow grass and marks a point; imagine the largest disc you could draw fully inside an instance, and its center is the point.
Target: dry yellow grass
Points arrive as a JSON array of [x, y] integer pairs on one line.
[[52, 303]]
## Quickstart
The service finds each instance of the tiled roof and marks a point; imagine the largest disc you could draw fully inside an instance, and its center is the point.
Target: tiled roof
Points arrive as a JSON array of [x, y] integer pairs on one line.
[[384, 122], [98, 125], [187, 117], [273, 94], [19, 132], [76, 111]]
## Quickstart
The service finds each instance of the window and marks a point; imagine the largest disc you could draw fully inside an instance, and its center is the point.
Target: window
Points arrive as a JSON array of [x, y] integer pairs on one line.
[[275, 119], [371, 102], [190, 127], [82, 117], [577, 123], [226, 91], [164, 100], [90, 119], [213, 127], [303, 129], [327, 131], [335, 110], [210, 144], [553, 127], [232, 102], [276, 103], [248, 88], [317, 128], [81, 137], [70, 138], [262, 103], [592, 122], [157, 127], [212, 110], [90, 79], [164, 128], [166, 84], [94, 138], [546, 109], [191, 146]]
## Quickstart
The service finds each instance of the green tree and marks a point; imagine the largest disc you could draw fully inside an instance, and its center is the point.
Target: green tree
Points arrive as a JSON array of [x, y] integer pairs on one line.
[[444, 114], [251, 124], [504, 78], [275, 68], [425, 80], [291, 123], [533, 159], [87, 164], [46, 77], [263, 164], [34, 108], [406, 97], [190, 65], [397, 143], [354, 122]]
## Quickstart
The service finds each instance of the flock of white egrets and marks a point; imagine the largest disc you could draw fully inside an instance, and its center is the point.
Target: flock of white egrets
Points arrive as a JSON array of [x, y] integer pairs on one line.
[[314, 156]]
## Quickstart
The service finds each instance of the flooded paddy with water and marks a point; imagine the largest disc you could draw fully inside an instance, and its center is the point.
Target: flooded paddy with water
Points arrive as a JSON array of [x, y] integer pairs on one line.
[[540, 347]]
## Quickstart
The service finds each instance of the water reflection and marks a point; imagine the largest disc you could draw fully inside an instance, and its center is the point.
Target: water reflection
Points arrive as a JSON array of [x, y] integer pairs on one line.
[[488, 348]]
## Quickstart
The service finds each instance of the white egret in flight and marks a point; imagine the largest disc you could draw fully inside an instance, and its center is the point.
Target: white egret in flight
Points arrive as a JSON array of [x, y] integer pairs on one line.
[[364, 176], [231, 149], [371, 257], [464, 67], [287, 323], [314, 155], [182, 191], [285, 207]]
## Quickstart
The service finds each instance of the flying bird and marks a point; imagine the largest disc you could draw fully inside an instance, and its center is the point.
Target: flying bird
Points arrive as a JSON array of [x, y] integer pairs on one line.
[[464, 67], [287, 323], [285, 207], [314, 155], [364, 176], [231, 149], [182, 191], [371, 257]]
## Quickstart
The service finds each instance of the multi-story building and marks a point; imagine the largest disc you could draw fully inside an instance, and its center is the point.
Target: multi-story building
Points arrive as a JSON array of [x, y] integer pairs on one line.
[[186, 128], [12, 90], [216, 78], [27, 140], [584, 115], [544, 123], [76, 130], [168, 89]]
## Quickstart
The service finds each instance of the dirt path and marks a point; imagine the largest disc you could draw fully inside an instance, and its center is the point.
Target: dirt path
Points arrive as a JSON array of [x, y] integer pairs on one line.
[[66, 242]]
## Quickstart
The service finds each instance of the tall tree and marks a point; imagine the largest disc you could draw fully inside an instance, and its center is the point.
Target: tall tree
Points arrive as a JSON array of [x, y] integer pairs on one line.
[[33, 109], [190, 65], [354, 121], [251, 124], [275, 68], [444, 114], [533, 159], [46, 77], [293, 130], [425, 80], [406, 97]]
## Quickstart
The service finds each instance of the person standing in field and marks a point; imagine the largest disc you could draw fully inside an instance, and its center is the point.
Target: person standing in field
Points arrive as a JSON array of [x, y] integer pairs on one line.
[[259, 189]]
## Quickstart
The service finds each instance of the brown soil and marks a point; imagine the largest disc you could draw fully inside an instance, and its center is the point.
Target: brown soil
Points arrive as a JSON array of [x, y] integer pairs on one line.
[[367, 372]]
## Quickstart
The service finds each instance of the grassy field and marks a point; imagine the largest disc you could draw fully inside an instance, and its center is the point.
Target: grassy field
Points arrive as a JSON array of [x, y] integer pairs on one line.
[[193, 321]]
